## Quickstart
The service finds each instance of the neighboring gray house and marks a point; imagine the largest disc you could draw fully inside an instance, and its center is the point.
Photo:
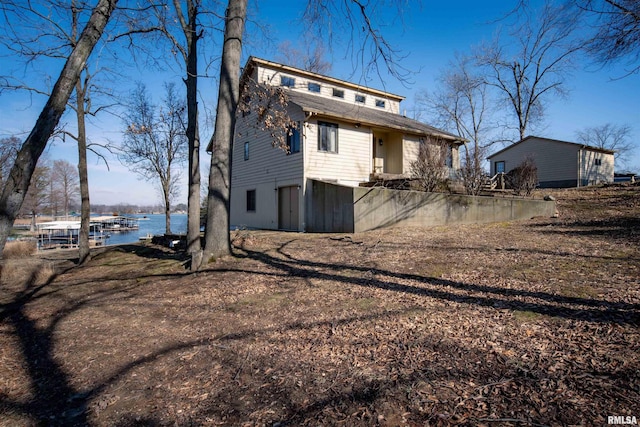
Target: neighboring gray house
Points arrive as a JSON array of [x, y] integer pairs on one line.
[[560, 163], [347, 134]]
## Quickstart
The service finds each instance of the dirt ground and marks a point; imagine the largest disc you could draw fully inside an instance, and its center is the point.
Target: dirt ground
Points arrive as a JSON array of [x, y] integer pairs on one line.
[[515, 323]]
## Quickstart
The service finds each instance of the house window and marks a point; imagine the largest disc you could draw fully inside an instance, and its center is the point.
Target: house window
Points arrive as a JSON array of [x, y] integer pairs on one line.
[[338, 93], [360, 98], [328, 137], [246, 151], [293, 140], [251, 200], [379, 103], [313, 87], [598, 162], [448, 160], [287, 81], [245, 106], [500, 167]]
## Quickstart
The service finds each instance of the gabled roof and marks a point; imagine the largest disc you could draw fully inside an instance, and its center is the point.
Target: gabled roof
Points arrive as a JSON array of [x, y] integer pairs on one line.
[[328, 107], [588, 147]]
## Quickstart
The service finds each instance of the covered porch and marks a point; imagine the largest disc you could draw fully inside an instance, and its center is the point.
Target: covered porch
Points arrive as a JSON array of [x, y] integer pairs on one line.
[[388, 154]]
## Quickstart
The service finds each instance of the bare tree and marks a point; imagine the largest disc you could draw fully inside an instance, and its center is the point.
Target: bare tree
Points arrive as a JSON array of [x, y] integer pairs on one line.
[[536, 68], [309, 59], [430, 168], [64, 179], [37, 198], [155, 142], [357, 25], [184, 25], [217, 238], [617, 31], [192, 34], [82, 96], [14, 190], [191, 31], [461, 104], [610, 137], [56, 25]]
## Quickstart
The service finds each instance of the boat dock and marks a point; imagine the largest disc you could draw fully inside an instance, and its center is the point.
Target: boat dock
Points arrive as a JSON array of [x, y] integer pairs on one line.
[[64, 234], [116, 223]]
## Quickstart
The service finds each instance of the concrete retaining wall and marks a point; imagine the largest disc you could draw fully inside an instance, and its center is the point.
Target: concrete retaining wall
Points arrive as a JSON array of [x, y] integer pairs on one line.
[[337, 208]]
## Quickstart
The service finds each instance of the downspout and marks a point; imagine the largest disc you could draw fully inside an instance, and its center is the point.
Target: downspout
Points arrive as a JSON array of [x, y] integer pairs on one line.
[[579, 183], [307, 208]]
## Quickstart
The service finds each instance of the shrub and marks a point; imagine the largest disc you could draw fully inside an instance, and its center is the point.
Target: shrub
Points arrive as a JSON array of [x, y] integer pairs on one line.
[[19, 249], [430, 168], [523, 179], [471, 173]]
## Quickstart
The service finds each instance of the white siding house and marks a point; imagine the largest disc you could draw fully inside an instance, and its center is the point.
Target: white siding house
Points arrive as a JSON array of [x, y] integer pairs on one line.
[[560, 163], [347, 134]]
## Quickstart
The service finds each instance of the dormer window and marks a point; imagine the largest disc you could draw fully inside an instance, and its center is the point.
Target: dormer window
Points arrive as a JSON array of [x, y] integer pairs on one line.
[[338, 93], [313, 87], [287, 81], [380, 103], [360, 98]]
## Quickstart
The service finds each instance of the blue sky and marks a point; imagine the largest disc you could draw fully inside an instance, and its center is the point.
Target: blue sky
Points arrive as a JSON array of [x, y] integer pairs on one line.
[[428, 35]]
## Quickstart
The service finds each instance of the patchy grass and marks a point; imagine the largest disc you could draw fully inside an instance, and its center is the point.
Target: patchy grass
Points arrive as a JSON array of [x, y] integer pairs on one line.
[[523, 323]]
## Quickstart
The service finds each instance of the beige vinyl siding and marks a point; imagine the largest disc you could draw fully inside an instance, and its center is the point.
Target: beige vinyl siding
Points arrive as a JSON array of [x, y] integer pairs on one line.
[[265, 215], [272, 77], [410, 150], [350, 165], [556, 161], [592, 173], [267, 169]]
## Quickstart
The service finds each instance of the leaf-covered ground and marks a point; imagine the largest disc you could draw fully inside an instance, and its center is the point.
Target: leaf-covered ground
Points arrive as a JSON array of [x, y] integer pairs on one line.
[[515, 323]]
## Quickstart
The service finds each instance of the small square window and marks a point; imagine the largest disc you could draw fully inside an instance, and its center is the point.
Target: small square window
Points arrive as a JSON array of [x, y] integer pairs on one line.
[[246, 151], [360, 98], [251, 200], [313, 87], [338, 93], [380, 103], [598, 162], [287, 81]]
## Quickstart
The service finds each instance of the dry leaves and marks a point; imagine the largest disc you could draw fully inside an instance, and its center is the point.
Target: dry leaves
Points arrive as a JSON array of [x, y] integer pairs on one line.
[[532, 323]]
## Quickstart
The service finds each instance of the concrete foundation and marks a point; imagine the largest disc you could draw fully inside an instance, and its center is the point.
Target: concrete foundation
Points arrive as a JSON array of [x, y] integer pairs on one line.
[[336, 208]]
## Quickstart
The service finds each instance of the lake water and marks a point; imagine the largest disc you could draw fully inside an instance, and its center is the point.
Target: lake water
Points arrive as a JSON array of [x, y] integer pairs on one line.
[[152, 224]]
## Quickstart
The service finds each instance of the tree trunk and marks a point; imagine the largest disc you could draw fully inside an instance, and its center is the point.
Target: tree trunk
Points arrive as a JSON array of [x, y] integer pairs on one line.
[[167, 207], [20, 176], [193, 135], [85, 207], [217, 238]]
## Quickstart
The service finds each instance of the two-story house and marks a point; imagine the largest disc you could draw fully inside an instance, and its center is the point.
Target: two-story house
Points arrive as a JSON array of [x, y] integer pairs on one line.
[[346, 134]]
